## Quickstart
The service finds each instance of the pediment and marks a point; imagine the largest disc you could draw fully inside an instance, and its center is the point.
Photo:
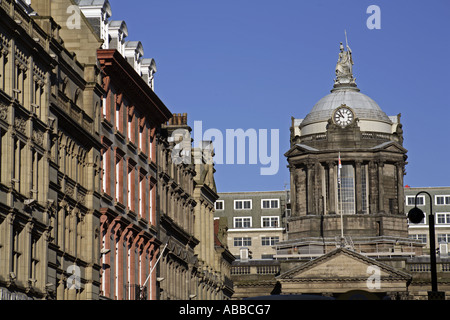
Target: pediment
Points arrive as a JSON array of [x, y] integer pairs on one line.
[[342, 264], [391, 146], [299, 149]]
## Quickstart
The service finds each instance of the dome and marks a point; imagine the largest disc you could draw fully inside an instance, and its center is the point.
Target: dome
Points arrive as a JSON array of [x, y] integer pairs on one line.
[[363, 106], [345, 92]]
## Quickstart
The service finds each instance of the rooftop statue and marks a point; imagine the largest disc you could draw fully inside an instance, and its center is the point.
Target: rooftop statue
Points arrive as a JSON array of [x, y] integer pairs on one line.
[[344, 66]]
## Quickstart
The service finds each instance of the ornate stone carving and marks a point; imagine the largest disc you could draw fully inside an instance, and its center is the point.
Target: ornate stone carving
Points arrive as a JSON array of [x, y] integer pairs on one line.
[[20, 124], [3, 112], [38, 138]]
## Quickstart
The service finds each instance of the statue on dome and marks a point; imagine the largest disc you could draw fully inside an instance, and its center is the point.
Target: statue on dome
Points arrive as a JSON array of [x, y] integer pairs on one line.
[[344, 66]]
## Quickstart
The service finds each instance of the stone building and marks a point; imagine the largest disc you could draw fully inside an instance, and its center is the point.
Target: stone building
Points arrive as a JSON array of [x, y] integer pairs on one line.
[[440, 202], [131, 116], [347, 164], [348, 234], [50, 166], [91, 200], [214, 258], [256, 222], [193, 264], [178, 266]]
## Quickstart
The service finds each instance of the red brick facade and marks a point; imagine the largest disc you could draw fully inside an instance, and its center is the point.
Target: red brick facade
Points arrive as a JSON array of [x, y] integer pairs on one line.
[[131, 115]]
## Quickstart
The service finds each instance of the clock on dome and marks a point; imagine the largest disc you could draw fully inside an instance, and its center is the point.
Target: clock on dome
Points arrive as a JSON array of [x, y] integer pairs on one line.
[[343, 116]]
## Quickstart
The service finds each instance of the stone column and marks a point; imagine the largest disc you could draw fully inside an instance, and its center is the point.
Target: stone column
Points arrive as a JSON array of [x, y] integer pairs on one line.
[[293, 187], [207, 237], [358, 187], [331, 187], [211, 238], [202, 231], [380, 186], [310, 209], [373, 194], [400, 190]]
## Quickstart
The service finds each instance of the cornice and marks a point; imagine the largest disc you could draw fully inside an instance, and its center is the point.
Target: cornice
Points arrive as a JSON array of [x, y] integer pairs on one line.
[[128, 80]]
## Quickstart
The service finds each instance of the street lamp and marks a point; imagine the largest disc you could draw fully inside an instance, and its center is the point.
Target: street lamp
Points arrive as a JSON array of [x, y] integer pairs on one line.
[[416, 215]]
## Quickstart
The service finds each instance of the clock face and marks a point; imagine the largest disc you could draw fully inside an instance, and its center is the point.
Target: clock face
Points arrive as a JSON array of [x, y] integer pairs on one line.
[[343, 116]]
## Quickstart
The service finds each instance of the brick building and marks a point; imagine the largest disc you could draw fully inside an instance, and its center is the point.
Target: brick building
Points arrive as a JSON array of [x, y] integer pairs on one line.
[[92, 206]]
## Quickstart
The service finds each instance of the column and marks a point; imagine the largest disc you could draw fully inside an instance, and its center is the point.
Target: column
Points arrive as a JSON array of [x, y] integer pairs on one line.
[[211, 238], [373, 190], [293, 188], [380, 186], [400, 190], [318, 202], [202, 231], [310, 189], [358, 186], [331, 187]]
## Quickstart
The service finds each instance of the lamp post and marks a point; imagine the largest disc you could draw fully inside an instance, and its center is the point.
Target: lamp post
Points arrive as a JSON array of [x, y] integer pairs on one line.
[[416, 215]]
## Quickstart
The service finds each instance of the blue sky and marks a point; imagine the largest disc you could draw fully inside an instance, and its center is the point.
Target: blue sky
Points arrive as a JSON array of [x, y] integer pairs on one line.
[[252, 64]]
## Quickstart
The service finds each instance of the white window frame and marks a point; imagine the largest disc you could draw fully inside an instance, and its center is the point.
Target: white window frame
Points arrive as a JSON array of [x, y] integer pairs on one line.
[[270, 203], [270, 239], [235, 220], [242, 242], [413, 197], [443, 196], [446, 218], [270, 221], [219, 201], [441, 236], [242, 200], [425, 219], [419, 237]]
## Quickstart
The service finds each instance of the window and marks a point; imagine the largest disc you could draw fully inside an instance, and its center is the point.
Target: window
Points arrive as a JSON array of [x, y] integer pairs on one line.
[[443, 218], [410, 200], [129, 184], [19, 159], [118, 117], [242, 222], [442, 200], [118, 179], [270, 222], [219, 204], [424, 221], [141, 138], [365, 188], [129, 127], [142, 193], [421, 237], [242, 242], [346, 189], [269, 241], [242, 204], [443, 238], [150, 211], [270, 203]]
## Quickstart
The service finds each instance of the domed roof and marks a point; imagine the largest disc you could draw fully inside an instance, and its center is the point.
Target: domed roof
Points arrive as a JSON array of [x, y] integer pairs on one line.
[[363, 106]]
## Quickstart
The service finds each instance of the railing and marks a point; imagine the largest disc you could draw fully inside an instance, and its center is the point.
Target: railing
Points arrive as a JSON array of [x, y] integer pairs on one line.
[[267, 269], [238, 270], [311, 248], [258, 267], [426, 267], [375, 135]]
